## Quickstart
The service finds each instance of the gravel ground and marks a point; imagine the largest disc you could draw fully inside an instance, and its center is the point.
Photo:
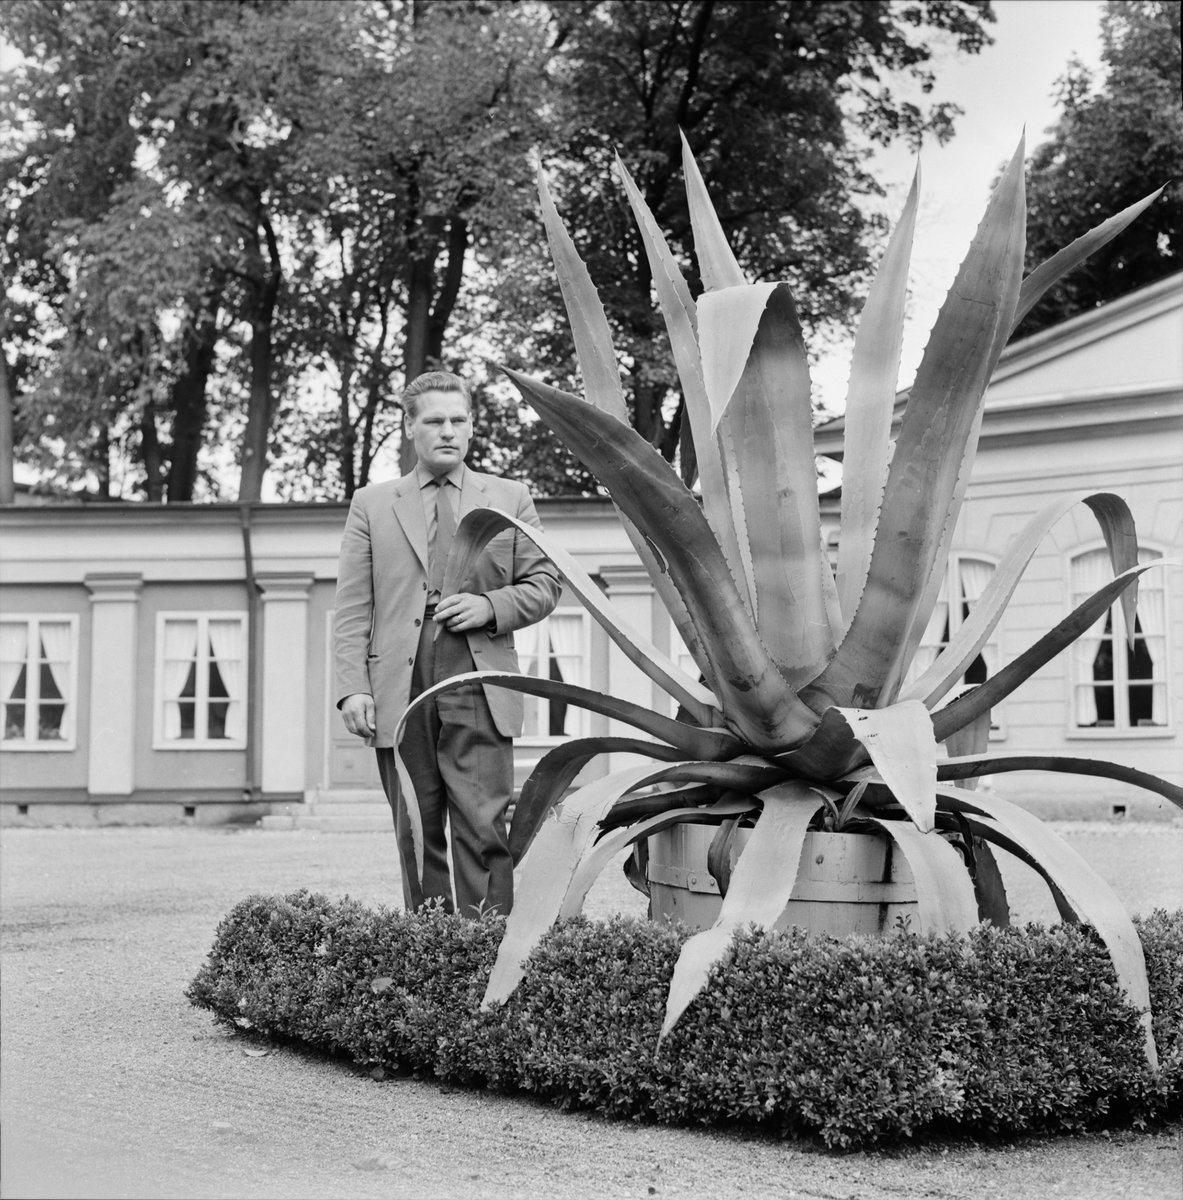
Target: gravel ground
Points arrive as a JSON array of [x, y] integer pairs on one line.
[[113, 1085]]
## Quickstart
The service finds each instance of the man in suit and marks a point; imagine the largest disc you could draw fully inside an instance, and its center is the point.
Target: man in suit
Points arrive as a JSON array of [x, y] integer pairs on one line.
[[397, 633]]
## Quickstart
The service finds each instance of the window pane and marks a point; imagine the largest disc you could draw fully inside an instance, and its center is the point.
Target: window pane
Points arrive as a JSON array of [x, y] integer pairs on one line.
[[14, 722], [218, 711], [50, 722]]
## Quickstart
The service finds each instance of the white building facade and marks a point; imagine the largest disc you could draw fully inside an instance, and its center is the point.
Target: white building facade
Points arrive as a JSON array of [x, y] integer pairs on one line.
[[173, 663]]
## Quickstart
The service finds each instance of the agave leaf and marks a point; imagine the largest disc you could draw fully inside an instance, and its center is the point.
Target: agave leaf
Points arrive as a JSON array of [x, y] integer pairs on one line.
[[1085, 891], [918, 511], [761, 883], [681, 324], [601, 377], [755, 367], [973, 738], [596, 859], [870, 397], [589, 325], [716, 262], [988, 695], [945, 900], [556, 771], [702, 743], [1117, 524], [830, 593], [739, 518], [1049, 273], [479, 527], [900, 742], [968, 766], [754, 695], [642, 805], [548, 870]]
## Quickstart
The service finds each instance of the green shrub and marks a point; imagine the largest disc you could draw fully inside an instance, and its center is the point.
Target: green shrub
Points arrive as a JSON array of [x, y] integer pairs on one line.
[[858, 1041]]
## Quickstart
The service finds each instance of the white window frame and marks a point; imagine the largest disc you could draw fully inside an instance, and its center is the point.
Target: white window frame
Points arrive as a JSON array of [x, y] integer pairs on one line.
[[69, 740], [1121, 684], [581, 714], [201, 698], [951, 588]]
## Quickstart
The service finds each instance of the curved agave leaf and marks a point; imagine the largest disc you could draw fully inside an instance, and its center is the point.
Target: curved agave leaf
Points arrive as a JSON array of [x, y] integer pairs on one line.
[[945, 899], [918, 512], [756, 369], [1049, 273], [643, 805], [707, 744], [554, 857], [481, 525], [601, 376], [761, 883], [755, 697], [556, 771], [595, 860], [973, 738], [986, 696], [830, 593], [1117, 524], [968, 766], [681, 324], [716, 262], [739, 517], [589, 325], [870, 397], [900, 742], [1085, 891]]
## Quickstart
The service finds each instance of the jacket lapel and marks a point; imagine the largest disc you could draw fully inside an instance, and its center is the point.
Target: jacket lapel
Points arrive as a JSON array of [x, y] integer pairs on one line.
[[408, 508]]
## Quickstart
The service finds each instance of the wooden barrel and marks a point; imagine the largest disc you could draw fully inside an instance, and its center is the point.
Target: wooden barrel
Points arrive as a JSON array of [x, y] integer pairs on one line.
[[846, 882]]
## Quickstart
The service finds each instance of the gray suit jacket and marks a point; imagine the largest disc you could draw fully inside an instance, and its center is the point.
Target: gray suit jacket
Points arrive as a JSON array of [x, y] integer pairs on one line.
[[382, 594]]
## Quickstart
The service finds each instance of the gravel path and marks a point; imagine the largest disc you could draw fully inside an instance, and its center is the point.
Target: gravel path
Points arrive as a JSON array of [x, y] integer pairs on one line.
[[113, 1085]]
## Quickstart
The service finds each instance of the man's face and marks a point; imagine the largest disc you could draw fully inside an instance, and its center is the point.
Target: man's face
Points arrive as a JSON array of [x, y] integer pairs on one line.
[[441, 430]]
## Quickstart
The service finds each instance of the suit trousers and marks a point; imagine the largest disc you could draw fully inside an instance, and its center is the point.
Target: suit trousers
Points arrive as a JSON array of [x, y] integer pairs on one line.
[[462, 770]]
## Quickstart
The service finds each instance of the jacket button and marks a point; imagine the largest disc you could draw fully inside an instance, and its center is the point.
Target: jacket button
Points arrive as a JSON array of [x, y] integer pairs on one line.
[[410, 662], [417, 622], [425, 586]]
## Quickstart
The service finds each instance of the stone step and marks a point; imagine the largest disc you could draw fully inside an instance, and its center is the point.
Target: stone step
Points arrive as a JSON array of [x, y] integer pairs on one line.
[[335, 796], [334, 823]]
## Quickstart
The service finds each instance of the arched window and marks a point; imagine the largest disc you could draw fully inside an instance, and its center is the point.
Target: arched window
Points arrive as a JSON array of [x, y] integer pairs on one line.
[[965, 579], [1114, 686]]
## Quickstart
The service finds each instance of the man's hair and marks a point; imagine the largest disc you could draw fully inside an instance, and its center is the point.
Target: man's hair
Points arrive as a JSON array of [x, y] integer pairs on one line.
[[433, 381]]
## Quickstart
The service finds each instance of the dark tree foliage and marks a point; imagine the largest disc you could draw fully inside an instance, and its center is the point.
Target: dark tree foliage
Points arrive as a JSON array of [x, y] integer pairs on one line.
[[231, 231], [779, 102], [1113, 144]]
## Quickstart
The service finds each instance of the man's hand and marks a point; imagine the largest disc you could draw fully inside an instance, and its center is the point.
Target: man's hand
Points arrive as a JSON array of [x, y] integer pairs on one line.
[[464, 611], [360, 716]]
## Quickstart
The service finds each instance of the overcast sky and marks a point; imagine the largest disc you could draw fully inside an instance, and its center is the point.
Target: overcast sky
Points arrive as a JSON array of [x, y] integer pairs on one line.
[[1006, 86]]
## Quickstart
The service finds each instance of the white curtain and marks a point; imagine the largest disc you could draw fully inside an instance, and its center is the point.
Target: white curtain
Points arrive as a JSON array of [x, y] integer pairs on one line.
[[566, 643], [55, 646], [14, 650], [975, 575], [227, 641], [180, 649], [931, 644], [1090, 572], [1152, 615], [526, 644]]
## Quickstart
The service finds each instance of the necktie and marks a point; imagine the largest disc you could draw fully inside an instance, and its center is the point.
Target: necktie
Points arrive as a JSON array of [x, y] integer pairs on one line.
[[441, 542]]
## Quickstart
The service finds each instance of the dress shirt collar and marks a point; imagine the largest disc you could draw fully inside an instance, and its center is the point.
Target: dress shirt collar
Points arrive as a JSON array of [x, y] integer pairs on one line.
[[455, 476]]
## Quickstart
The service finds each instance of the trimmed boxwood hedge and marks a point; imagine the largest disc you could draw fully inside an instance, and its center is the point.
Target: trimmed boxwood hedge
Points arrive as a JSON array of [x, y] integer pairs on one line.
[[860, 1041]]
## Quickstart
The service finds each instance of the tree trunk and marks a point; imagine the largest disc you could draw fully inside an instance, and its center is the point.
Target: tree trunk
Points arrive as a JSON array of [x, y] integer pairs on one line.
[[265, 289], [7, 431], [189, 402], [150, 455], [420, 291]]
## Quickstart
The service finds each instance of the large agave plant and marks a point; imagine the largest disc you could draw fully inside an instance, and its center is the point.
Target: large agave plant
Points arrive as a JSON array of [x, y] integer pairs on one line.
[[802, 718]]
